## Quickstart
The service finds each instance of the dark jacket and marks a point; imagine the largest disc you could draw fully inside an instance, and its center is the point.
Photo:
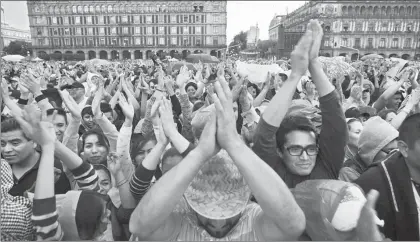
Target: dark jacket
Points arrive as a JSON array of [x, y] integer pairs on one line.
[[396, 204]]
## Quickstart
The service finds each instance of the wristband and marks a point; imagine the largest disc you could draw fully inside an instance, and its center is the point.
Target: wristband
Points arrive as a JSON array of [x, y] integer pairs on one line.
[[23, 101], [160, 90], [40, 98]]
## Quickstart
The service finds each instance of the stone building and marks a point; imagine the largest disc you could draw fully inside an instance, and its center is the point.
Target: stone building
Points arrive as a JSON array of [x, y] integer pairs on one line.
[[352, 28], [127, 29], [10, 33]]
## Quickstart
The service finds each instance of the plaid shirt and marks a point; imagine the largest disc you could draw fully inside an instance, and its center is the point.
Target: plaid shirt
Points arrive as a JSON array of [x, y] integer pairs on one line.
[[16, 212]]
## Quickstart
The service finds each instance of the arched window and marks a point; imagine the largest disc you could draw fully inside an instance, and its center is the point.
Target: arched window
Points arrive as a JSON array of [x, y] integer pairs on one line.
[[128, 9], [57, 10], [344, 10], [388, 11], [79, 9], [395, 10], [401, 11], [383, 10], [98, 9], [376, 10], [68, 9], [122, 8], [363, 10], [370, 10], [74, 9], [63, 9], [86, 9], [357, 10], [51, 9], [91, 9], [350, 10], [109, 9], [103, 9], [116, 8]]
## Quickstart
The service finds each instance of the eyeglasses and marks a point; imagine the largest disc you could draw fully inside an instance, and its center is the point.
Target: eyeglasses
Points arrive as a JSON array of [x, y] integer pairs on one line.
[[297, 150]]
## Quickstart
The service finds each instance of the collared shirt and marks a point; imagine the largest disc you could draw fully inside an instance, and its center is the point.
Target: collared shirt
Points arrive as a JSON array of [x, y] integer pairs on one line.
[[27, 181]]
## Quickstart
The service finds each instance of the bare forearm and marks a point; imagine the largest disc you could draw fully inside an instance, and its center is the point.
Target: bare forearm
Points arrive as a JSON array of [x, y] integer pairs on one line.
[[323, 85], [159, 202], [280, 103], [44, 187]]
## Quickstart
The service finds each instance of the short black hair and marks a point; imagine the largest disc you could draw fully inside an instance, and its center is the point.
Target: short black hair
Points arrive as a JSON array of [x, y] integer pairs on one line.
[[191, 84], [87, 110], [11, 124], [60, 111], [410, 130], [292, 123], [384, 112], [105, 107]]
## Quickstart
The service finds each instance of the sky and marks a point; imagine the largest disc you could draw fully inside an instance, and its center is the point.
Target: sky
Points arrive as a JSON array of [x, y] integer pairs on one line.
[[241, 15]]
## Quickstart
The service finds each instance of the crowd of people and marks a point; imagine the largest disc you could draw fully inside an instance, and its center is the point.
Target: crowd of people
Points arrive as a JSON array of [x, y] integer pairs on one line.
[[152, 150]]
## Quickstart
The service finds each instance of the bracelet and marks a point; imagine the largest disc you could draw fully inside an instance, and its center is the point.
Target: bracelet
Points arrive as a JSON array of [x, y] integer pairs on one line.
[[23, 101], [121, 183], [40, 98]]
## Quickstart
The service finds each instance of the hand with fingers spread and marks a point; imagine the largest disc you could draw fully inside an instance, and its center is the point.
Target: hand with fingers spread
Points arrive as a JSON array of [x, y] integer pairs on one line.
[[183, 76], [126, 107], [300, 55], [32, 84], [227, 136], [367, 226]]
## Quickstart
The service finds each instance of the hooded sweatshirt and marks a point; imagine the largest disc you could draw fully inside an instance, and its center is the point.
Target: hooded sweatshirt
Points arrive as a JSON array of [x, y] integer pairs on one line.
[[376, 134]]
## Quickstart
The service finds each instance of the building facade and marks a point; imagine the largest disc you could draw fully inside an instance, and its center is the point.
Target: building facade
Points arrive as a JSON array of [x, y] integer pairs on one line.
[[127, 29], [356, 28], [253, 35], [9, 33]]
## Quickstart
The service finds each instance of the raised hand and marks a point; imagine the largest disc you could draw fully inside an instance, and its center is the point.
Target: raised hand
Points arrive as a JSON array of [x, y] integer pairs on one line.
[[71, 104], [126, 107], [300, 55], [227, 135], [183, 76], [207, 144], [162, 138], [31, 84], [114, 163], [244, 100], [166, 117], [367, 226], [317, 34]]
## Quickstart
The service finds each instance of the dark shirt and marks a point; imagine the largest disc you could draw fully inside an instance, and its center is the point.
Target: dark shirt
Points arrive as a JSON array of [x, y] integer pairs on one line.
[[27, 181], [331, 142]]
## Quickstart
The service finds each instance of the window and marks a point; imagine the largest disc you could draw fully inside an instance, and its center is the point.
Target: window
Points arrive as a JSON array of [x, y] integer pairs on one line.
[[112, 19], [91, 9], [397, 27], [394, 43], [382, 43], [173, 18], [122, 9], [98, 9], [78, 31], [160, 18], [149, 30], [86, 9], [216, 18], [161, 30], [185, 41], [346, 27], [109, 9], [89, 20], [101, 19], [197, 19], [125, 42], [74, 8], [91, 42], [114, 41], [198, 30], [137, 30], [371, 27], [198, 42], [357, 42], [215, 30], [185, 19], [137, 19], [407, 43], [79, 9], [40, 42], [38, 31], [90, 31], [79, 41], [173, 40], [66, 20], [103, 9], [101, 30], [55, 32], [370, 42], [327, 43], [161, 41], [344, 42], [215, 41], [137, 41], [77, 20], [113, 30], [125, 30], [148, 19], [173, 30], [384, 27], [124, 19], [56, 42], [185, 30], [54, 20], [149, 41], [66, 31], [67, 42]]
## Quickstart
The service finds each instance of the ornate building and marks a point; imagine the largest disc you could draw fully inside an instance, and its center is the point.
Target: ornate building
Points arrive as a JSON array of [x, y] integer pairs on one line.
[[127, 29], [9, 33], [352, 28]]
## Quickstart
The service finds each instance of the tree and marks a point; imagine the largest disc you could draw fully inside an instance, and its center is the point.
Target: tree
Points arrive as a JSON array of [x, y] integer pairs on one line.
[[18, 47], [264, 46], [241, 39]]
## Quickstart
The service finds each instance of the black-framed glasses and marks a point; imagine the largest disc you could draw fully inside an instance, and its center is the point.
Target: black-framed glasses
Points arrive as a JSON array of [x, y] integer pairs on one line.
[[298, 150]]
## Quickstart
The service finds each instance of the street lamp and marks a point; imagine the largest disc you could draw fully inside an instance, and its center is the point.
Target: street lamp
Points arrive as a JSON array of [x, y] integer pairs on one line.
[[345, 47]]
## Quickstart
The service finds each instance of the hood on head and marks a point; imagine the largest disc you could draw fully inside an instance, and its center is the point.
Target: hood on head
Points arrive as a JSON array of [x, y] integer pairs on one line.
[[376, 134]]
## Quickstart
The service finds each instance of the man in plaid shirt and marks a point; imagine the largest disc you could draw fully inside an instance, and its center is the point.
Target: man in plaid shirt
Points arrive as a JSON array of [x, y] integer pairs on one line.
[[16, 211]]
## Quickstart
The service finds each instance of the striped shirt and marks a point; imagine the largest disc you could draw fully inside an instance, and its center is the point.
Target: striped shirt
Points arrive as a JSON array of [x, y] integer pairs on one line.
[[45, 215]]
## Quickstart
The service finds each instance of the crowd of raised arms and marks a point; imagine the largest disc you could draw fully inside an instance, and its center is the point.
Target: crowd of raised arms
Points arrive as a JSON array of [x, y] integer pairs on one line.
[[310, 148]]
